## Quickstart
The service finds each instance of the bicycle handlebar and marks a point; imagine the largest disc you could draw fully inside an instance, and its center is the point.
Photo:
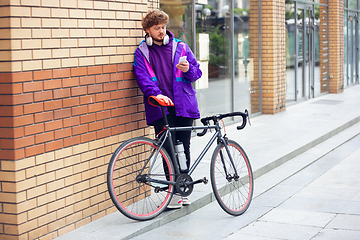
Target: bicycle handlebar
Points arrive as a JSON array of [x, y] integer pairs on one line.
[[216, 118]]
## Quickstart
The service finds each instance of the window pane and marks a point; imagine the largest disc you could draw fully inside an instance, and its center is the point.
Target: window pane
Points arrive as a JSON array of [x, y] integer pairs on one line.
[[213, 38], [247, 52], [290, 34]]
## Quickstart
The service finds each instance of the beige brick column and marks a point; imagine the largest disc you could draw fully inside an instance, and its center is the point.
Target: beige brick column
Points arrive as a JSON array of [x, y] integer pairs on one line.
[[255, 46], [336, 46], [273, 56]]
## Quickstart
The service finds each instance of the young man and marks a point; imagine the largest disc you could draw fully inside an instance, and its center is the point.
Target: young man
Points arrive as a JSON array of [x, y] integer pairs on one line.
[[159, 73]]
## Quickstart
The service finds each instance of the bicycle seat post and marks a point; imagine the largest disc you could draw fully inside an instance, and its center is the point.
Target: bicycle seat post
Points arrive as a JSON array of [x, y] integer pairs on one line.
[[171, 143]]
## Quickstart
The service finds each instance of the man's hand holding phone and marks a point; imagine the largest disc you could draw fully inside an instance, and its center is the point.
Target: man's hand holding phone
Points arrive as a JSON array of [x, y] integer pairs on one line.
[[183, 65]]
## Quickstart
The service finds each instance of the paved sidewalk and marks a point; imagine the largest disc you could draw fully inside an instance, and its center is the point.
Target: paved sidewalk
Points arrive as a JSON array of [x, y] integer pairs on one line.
[[271, 141]]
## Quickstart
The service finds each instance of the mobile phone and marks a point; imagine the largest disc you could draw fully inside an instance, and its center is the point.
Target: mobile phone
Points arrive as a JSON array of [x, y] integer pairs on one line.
[[182, 59]]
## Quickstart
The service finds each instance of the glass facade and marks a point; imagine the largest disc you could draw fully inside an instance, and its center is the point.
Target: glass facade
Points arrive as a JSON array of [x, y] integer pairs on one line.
[[225, 36], [306, 49]]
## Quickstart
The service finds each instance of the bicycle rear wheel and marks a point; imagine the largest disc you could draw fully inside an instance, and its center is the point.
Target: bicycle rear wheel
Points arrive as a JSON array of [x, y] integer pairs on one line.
[[234, 194], [132, 195]]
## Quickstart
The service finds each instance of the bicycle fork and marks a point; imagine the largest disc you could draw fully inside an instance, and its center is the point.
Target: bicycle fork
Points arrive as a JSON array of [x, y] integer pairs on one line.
[[228, 176]]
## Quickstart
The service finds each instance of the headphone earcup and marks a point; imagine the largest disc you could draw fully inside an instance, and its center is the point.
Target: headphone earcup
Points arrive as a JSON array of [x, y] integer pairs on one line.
[[149, 40], [166, 40]]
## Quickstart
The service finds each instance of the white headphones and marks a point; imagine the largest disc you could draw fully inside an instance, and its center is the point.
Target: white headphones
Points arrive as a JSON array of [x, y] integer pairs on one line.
[[149, 40]]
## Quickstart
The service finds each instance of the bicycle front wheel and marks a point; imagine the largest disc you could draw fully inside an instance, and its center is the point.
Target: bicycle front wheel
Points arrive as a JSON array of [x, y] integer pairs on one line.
[[129, 189], [233, 192]]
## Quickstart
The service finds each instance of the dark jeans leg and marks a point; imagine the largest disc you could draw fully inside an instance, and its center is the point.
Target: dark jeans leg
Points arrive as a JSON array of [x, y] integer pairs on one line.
[[182, 136]]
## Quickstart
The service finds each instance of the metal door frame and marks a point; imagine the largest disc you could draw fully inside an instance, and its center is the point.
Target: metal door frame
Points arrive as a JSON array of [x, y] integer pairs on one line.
[[352, 48], [305, 8]]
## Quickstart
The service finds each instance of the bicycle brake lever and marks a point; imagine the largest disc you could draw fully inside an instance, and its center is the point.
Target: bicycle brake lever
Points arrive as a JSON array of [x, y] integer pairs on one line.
[[248, 117]]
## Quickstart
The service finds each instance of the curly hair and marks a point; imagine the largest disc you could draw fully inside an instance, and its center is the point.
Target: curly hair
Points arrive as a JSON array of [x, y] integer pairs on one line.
[[154, 17]]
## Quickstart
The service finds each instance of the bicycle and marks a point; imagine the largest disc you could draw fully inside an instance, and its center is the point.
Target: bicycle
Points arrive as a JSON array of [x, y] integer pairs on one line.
[[142, 177]]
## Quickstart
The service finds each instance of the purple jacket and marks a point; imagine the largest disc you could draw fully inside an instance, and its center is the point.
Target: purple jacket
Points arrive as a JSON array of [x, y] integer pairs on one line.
[[184, 93]]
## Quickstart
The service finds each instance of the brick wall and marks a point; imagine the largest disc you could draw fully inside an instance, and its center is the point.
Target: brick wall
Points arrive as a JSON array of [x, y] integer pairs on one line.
[[336, 46], [273, 56], [68, 97]]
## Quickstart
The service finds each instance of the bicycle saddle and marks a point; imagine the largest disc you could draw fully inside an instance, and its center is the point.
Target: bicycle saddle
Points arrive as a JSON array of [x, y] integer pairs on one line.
[[157, 102]]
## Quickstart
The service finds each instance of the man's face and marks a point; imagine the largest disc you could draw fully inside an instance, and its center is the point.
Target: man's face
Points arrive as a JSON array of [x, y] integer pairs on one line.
[[157, 32]]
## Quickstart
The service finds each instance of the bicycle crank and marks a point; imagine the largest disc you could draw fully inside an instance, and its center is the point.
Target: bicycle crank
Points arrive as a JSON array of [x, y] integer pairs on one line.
[[184, 184]]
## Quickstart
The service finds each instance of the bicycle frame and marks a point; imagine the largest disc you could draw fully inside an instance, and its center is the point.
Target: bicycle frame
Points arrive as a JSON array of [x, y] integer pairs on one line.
[[167, 135]]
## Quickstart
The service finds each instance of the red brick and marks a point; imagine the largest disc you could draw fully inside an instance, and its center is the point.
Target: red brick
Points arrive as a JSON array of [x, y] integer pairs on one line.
[[6, 99], [51, 105], [131, 126], [124, 67], [136, 117], [95, 107], [12, 132], [103, 133], [70, 82], [79, 110], [34, 150], [5, 77], [87, 99], [76, 91], [78, 71], [52, 84], [9, 88], [51, 146], [16, 143], [94, 70], [94, 89], [72, 121], [130, 93], [103, 115], [87, 80], [71, 141], [12, 154], [110, 104], [80, 129], [93, 126], [43, 96], [62, 93], [62, 113], [43, 117], [33, 108], [87, 118], [109, 68], [101, 97], [61, 73], [23, 120], [116, 95], [129, 75], [110, 86], [123, 120], [102, 78], [11, 111], [34, 129], [32, 86], [22, 76], [44, 137], [110, 122], [62, 133], [117, 112], [43, 74], [70, 102], [50, 126], [22, 98], [88, 137], [117, 130], [116, 77]]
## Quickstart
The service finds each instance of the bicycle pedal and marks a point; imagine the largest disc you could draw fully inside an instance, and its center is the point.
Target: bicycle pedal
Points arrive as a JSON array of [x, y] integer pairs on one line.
[[205, 181]]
